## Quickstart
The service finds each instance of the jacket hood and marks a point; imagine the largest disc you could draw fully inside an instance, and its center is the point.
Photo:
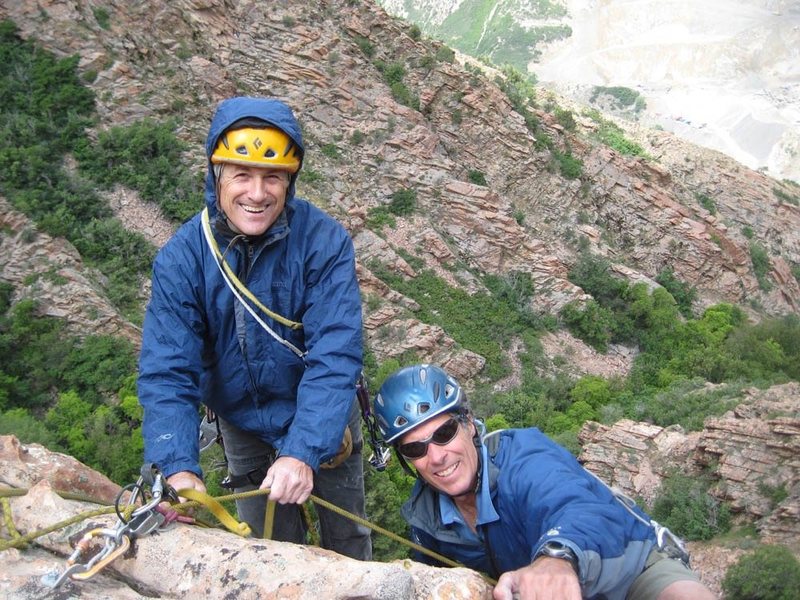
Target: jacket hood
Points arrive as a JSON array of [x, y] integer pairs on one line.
[[272, 111]]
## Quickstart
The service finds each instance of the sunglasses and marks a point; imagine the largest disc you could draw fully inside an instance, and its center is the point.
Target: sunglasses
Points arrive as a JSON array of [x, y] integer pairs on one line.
[[444, 434]]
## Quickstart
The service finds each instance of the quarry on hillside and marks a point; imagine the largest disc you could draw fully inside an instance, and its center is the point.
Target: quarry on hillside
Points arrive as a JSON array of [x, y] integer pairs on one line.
[[723, 74]]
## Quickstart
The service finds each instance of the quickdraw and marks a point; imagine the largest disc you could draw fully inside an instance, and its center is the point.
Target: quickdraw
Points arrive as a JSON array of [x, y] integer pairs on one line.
[[117, 540], [380, 452]]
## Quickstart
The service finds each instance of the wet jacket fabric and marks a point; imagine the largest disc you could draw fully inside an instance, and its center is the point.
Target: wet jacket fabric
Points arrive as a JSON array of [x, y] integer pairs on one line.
[[199, 345], [532, 492]]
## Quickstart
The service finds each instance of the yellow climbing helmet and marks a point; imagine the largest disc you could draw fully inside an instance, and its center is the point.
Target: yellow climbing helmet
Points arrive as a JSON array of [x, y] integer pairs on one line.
[[258, 147]]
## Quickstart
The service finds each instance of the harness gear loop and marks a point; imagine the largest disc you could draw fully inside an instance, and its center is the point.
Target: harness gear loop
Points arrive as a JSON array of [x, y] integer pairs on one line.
[[239, 290]]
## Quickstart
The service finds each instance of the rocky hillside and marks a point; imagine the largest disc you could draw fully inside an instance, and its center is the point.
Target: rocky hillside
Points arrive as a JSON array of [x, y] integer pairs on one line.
[[755, 447], [178, 60]]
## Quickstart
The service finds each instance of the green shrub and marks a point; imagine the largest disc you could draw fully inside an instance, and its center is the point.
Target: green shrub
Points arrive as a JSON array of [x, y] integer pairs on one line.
[[610, 134], [414, 32], [706, 203], [403, 203], [761, 265], [357, 137], [379, 217], [685, 506], [330, 150], [682, 292], [592, 323], [445, 54], [623, 97], [569, 166], [366, 47], [786, 197], [768, 573], [686, 403], [145, 156], [566, 118], [521, 93], [404, 96], [476, 177], [28, 428], [102, 17], [393, 72]]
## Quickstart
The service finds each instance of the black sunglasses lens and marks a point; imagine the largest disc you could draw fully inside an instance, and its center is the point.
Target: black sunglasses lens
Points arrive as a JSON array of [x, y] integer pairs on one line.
[[413, 450], [444, 434]]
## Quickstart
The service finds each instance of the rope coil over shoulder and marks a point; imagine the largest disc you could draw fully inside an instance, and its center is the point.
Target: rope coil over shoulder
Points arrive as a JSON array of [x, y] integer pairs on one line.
[[239, 290]]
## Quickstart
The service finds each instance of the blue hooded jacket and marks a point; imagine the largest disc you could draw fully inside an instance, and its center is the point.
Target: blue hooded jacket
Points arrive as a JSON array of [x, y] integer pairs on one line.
[[532, 492], [199, 345]]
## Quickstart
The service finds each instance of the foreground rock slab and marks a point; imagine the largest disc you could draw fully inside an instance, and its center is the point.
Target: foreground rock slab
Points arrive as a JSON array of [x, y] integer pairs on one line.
[[192, 562]]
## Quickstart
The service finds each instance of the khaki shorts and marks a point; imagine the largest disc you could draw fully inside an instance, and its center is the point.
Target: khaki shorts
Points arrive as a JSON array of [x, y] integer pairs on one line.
[[660, 570]]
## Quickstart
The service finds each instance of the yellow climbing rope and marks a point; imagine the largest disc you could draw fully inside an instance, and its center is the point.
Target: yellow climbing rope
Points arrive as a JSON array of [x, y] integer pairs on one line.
[[214, 504]]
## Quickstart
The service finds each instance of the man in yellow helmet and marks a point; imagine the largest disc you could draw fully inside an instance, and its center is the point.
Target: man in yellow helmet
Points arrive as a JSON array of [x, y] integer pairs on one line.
[[256, 313]]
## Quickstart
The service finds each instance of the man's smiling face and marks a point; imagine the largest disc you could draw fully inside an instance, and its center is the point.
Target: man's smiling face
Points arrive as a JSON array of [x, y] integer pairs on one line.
[[252, 197], [451, 468]]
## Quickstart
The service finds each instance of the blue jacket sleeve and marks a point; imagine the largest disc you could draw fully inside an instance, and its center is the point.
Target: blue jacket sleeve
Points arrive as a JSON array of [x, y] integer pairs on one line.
[[170, 363], [567, 504], [333, 337]]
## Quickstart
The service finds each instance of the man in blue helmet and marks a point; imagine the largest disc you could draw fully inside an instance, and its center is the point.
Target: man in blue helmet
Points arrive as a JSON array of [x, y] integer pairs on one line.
[[256, 313], [520, 508]]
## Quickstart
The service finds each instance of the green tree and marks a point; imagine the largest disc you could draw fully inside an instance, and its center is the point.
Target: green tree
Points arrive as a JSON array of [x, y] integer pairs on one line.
[[27, 428], [767, 573], [592, 323], [386, 491], [683, 294], [593, 390], [68, 419]]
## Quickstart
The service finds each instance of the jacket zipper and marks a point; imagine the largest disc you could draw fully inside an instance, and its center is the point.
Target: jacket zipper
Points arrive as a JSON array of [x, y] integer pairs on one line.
[[248, 260]]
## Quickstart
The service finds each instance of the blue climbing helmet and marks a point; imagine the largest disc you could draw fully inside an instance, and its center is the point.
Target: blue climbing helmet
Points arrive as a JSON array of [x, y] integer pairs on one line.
[[412, 395]]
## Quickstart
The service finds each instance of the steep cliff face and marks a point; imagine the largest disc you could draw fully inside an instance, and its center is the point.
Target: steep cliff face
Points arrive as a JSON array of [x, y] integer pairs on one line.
[[180, 59]]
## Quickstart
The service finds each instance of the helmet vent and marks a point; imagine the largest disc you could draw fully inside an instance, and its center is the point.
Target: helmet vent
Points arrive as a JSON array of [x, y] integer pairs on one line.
[[436, 389], [423, 407], [270, 153], [448, 390], [379, 399], [423, 375], [241, 150], [400, 421]]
